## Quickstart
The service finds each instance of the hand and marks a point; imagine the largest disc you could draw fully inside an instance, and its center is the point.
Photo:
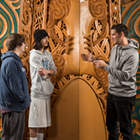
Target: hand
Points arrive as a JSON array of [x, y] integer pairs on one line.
[[88, 57], [42, 71], [47, 76], [99, 63]]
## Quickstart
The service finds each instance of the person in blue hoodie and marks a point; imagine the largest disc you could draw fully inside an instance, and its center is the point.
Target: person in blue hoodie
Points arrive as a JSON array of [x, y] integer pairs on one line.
[[122, 68], [14, 94]]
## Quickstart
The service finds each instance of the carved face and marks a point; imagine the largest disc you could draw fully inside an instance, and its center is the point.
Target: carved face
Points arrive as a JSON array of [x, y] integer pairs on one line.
[[117, 39], [44, 41]]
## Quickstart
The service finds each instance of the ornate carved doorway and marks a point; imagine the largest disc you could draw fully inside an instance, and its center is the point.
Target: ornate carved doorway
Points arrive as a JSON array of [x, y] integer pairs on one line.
[[75, 27]]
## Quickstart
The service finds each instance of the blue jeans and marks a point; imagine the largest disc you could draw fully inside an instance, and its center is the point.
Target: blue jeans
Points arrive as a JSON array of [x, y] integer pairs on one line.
[[119, 109]]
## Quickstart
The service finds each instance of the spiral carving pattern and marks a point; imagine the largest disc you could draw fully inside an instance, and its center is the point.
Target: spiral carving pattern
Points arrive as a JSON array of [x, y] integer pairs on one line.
[[98, 9], [9, 20]]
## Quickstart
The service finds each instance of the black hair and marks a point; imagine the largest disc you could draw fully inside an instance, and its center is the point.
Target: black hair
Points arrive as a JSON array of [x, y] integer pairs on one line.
[[38, 46], [120, 28]]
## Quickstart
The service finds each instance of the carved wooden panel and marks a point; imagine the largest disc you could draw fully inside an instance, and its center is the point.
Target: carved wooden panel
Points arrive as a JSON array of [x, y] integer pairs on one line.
[[9, 23], [131, 18], [25, 28], [97, 34], [116, 12], [9, 18], [126, 1], [74, 27], [65, 48]]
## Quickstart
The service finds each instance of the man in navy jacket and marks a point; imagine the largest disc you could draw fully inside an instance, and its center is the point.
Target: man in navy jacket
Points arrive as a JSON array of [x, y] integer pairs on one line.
[[14, 94]]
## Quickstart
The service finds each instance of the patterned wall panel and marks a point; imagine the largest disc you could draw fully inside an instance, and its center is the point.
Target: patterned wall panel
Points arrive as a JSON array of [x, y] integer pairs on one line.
[[61, 41], [9, 18], [131, 18], [9, 21]]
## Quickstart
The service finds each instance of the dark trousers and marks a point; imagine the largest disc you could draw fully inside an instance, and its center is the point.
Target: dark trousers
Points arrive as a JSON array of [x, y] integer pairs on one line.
[[119, 109], [13, 124]]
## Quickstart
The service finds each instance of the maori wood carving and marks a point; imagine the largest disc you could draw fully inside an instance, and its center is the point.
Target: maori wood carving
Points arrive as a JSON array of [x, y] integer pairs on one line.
[[61, 42], [58, 10], [131, 18], [57, 28], [25, 29], [104, 14], [98, 40], [116, 17], [98, 10]]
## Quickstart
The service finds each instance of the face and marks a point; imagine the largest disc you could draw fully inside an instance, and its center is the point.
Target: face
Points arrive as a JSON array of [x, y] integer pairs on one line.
[[44, 41], [116, 37], [22, 47]]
